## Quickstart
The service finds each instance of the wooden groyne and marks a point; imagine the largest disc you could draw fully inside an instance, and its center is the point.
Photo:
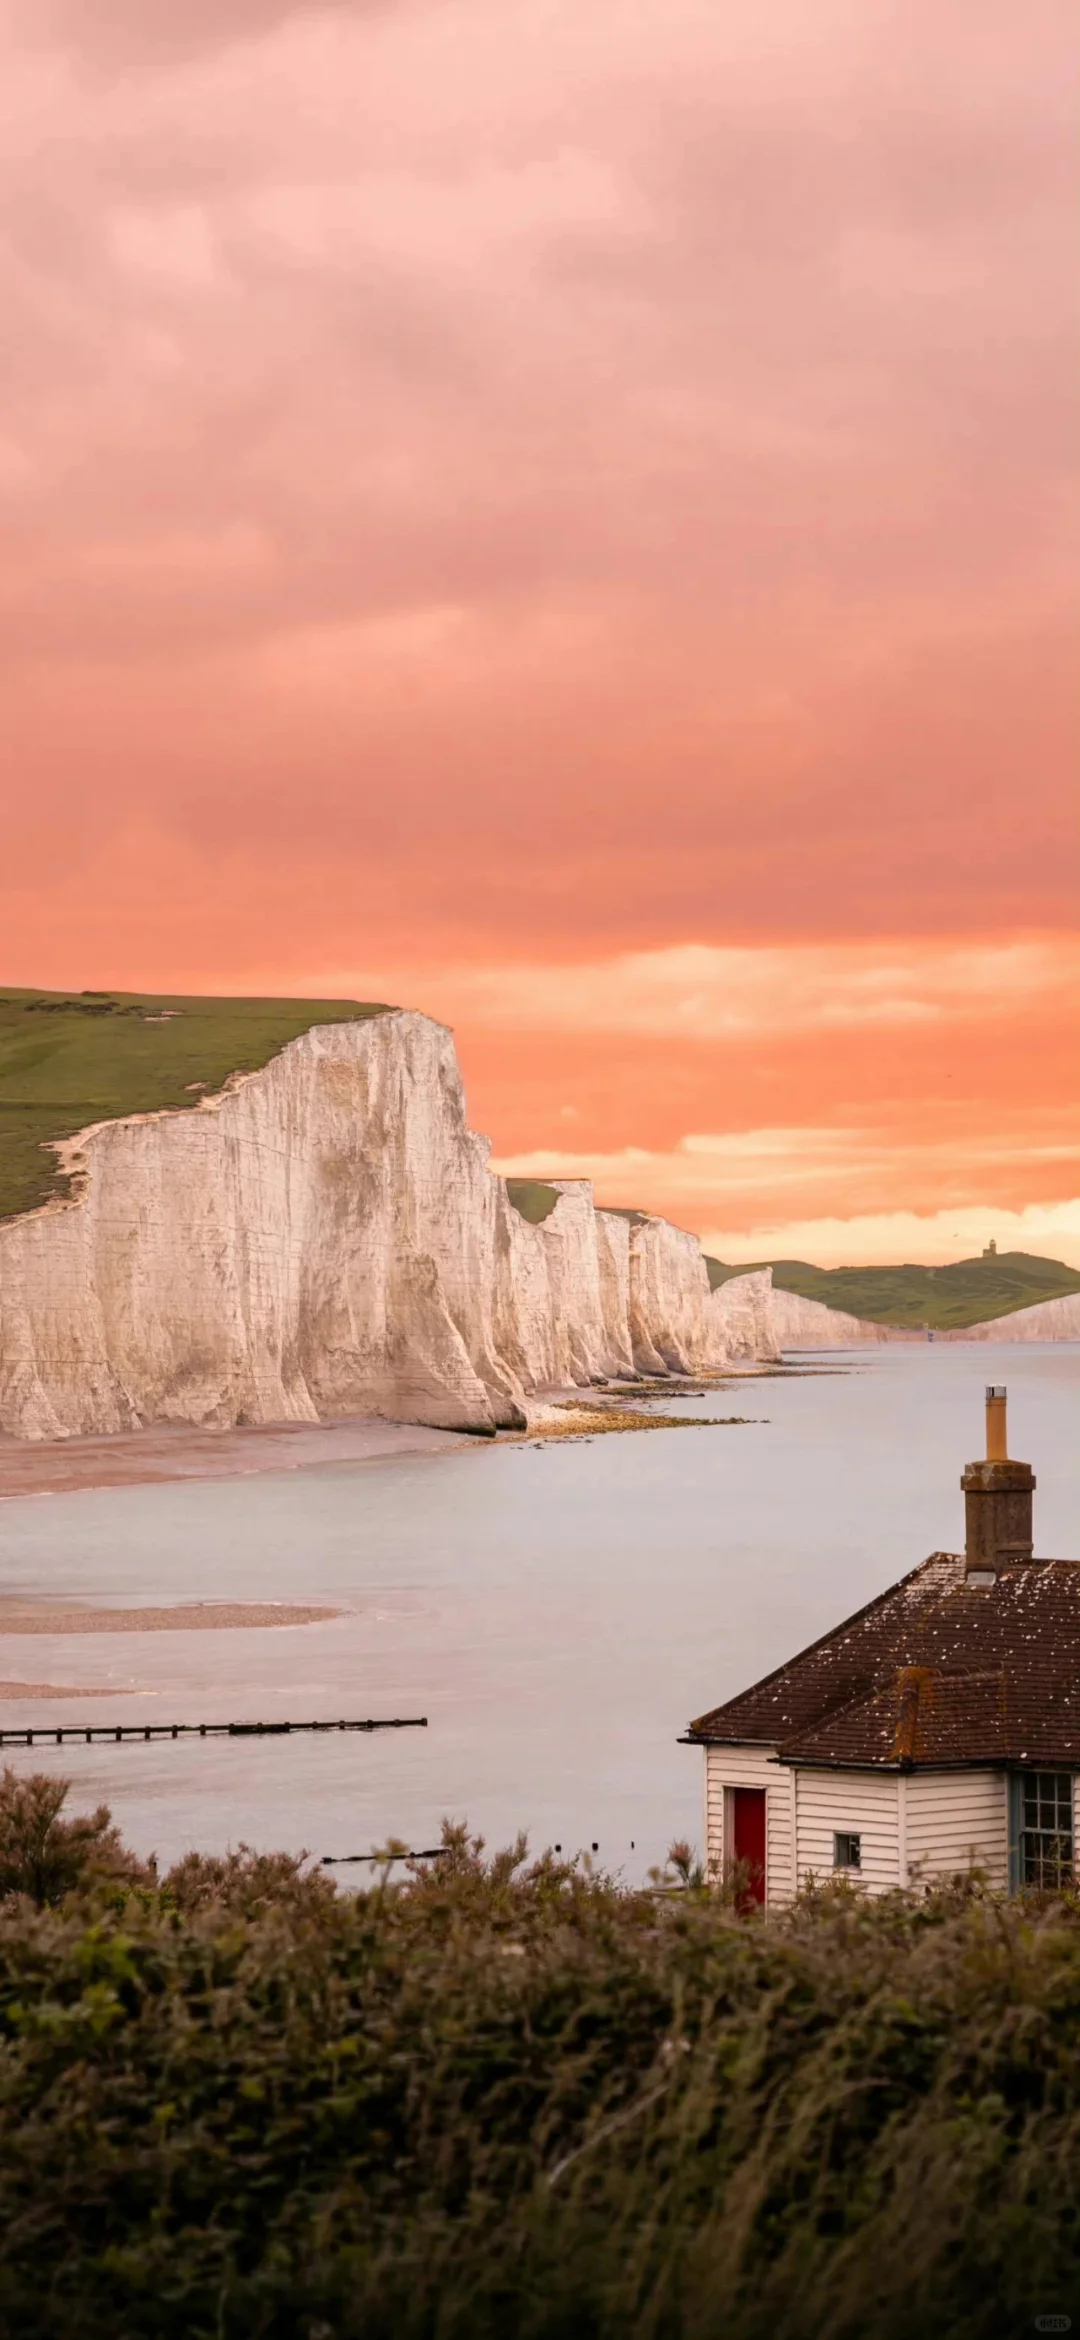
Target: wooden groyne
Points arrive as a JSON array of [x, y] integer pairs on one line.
[[89, 1734]]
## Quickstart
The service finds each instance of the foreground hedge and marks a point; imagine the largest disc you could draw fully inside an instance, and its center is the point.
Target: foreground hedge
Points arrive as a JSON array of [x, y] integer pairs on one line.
[[501, 2101]]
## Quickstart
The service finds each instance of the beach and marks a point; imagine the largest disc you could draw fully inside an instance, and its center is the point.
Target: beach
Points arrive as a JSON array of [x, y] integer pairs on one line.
[[133, 1458]]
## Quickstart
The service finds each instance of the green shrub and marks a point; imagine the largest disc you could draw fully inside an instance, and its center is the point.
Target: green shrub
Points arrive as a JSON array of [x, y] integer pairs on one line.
[[501, 2101], [45, 1857]]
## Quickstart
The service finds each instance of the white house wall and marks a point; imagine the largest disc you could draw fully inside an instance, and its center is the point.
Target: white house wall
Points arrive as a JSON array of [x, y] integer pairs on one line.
[[913, 1827], [857, 1801], [955, 1818], [750, 1767]]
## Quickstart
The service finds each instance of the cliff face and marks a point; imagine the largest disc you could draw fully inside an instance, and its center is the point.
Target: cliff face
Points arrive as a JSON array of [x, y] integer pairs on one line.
[[322, 1238], [312, 1241], [784, 1320], [672, 1328], [744, 1316], [1048, 1320], [563, 1291], [795, 1323]]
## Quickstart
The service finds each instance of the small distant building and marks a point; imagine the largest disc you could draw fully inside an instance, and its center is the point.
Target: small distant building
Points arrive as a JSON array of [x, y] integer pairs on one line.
[[991, 1250], [938, 1727]]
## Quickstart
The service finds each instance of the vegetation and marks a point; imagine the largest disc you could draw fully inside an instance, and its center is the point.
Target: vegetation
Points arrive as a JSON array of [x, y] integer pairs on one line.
[[533, 1198], [509, 2102], [967, 1291], [582, 1418], [44, 1856], [67, 1061]]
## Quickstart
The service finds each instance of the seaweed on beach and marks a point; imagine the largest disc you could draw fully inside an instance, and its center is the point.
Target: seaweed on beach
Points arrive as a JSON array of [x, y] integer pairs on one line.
[[583, 1418]]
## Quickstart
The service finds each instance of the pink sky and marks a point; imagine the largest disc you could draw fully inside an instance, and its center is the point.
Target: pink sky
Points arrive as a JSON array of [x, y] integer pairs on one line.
[[564, 515]]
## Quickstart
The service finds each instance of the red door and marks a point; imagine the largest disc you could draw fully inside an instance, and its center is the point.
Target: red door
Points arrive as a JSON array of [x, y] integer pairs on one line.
[[748, 1837]]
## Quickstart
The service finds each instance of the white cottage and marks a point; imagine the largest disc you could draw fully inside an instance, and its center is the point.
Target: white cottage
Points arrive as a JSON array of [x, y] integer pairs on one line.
[[938, 1727]]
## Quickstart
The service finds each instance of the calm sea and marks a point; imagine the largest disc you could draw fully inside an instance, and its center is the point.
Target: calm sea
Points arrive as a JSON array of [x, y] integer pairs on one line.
[[558, 1613]]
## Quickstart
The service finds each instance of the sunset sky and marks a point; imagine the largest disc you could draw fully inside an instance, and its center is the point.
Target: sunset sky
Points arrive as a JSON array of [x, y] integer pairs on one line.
[[561, 513]]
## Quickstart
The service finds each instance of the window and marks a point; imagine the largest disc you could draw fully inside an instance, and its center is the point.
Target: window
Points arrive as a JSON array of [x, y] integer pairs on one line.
[[847, 1850], [1042, 1829]]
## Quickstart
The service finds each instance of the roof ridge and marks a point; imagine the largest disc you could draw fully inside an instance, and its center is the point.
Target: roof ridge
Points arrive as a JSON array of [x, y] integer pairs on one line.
[[845, 1625]]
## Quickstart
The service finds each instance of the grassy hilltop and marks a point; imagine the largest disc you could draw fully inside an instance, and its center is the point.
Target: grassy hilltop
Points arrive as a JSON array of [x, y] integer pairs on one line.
[[70, 1059], [967, 1291], [495, 2102]]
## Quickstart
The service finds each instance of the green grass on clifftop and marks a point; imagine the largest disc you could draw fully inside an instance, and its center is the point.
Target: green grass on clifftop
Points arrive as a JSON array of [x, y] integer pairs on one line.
[[533, 1198], [967, 1291], [67, 1060]]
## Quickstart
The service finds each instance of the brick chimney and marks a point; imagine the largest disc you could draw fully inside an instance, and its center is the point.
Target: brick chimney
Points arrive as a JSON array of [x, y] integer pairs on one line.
[[997, 1498]]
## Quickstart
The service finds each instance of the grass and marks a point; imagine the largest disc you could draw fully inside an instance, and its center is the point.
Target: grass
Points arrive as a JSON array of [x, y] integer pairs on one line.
[[69, 1060], [967, 1291], [532, 1198], [503, 2101]]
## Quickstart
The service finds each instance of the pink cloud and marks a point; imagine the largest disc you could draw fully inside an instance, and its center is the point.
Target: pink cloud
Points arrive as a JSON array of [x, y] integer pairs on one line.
[[533, 481], [149, 34]]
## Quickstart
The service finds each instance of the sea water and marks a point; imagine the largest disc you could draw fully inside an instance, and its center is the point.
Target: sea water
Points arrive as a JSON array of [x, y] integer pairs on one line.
[[559, 1612]]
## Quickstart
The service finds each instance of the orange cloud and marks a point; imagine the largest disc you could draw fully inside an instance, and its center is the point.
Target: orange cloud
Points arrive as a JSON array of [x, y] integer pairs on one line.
[[725, 992]]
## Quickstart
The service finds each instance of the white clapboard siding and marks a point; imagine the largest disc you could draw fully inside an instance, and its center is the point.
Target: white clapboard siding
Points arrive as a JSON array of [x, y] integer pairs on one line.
[[750, 1767], [955, 1819], [829, 1802]]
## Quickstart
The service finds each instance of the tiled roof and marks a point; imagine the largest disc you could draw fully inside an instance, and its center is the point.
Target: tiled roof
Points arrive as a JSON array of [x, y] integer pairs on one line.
[[936, 1670]]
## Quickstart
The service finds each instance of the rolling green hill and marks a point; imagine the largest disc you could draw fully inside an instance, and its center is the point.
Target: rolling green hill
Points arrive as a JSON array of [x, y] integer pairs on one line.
[[966, 1291], [68, 1060]]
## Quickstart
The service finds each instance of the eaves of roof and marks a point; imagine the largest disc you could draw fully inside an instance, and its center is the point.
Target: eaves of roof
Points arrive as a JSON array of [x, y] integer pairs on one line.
[[935, 1673]]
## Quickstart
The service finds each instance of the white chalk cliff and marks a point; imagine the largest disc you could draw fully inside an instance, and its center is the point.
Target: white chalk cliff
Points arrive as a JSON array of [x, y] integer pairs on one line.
[[324, 1238], [1046, 1320], [790, 1322], [745, 1314], [787, 1321]]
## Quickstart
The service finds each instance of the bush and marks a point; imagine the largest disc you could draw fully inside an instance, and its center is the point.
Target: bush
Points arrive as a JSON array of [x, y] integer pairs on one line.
[[46, 1857], [503, 2101]]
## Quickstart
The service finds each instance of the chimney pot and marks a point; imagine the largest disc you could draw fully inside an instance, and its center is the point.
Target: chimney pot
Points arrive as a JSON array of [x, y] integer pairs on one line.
[[997, 1498], [997, 1446]]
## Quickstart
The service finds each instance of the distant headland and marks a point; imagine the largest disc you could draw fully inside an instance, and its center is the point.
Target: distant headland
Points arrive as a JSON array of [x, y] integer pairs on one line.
[[913, 1299]]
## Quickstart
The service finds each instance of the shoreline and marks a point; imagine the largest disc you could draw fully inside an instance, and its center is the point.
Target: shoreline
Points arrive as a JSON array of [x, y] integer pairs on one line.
[[21, 1693], [19, 1615], [167, 1452], [60, 1619]]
